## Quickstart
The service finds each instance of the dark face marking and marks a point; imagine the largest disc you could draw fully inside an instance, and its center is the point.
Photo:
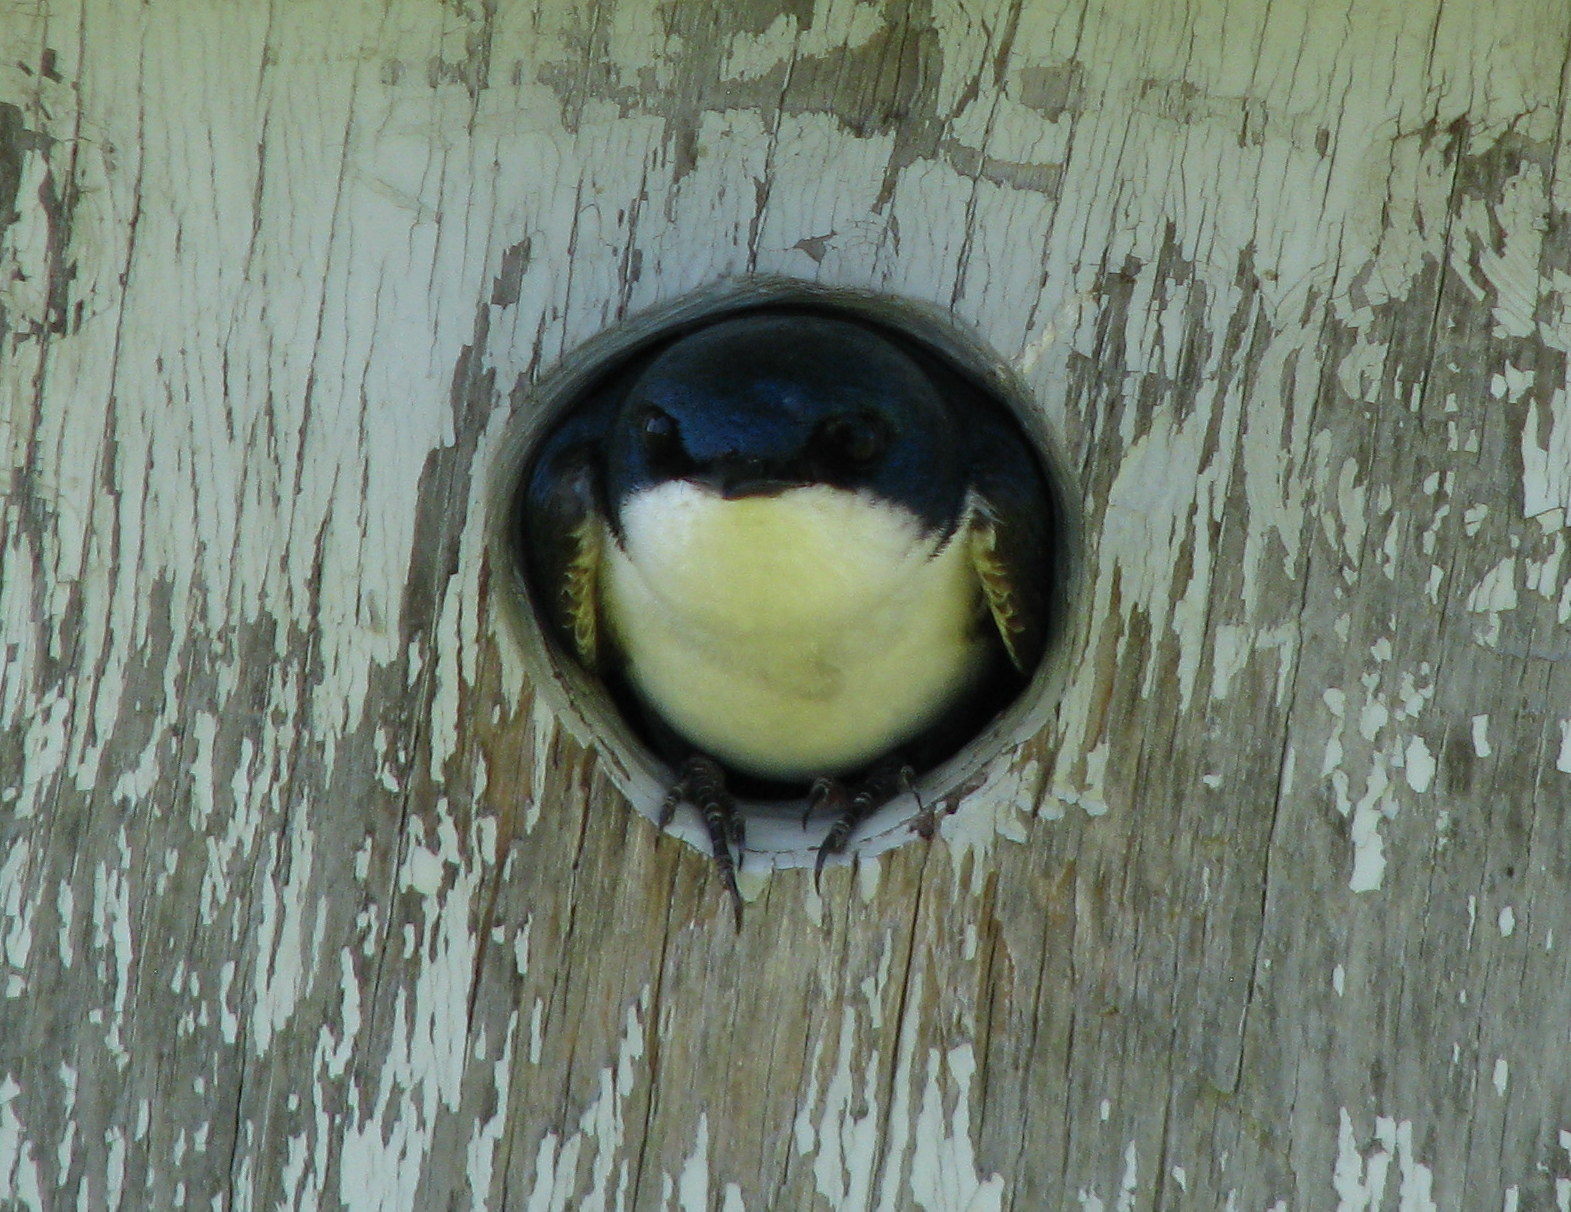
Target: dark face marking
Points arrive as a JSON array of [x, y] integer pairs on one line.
[[766, 402]]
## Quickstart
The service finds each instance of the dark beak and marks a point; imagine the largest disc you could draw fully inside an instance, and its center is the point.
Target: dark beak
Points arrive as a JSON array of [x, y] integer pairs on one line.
[[760, 486], [745, 477]]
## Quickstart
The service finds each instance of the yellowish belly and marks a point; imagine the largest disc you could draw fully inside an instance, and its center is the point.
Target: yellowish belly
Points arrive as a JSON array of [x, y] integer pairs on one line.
[[795, 635]]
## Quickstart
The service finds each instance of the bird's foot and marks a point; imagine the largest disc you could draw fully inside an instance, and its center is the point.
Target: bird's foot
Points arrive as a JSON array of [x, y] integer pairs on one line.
[[702, 784], [853, 803]]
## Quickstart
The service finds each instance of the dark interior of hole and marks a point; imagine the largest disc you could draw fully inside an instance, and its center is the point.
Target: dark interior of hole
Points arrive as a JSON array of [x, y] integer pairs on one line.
[[581, 417]]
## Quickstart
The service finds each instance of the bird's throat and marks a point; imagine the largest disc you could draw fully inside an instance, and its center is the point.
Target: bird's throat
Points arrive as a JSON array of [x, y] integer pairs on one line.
[[801, 633]]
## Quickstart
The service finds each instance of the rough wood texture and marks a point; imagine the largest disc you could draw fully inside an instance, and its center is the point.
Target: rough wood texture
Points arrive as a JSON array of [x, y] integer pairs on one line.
[[305, 902]]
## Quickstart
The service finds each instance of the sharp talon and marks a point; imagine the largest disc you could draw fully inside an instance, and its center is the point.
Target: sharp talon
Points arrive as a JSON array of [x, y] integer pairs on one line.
[[834, 843], [875, 789], [702, 784], [825, 793], [668, 806], [817, 795]]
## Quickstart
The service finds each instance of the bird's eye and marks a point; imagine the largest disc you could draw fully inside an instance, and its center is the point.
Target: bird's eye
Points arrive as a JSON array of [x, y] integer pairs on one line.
[[658, 430], [857, 439]]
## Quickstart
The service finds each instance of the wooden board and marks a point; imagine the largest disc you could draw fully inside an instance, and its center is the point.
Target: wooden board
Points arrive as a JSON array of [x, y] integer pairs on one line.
[[309, 900]]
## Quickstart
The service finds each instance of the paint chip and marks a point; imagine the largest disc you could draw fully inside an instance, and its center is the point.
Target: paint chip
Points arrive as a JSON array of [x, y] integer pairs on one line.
[[1419, 765], [1497, 591]]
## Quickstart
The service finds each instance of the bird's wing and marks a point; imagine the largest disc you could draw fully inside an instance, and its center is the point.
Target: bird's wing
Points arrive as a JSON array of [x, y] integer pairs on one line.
[[580, 595], [1006, 598], [562, 529], [563, 518], [1010, 539]]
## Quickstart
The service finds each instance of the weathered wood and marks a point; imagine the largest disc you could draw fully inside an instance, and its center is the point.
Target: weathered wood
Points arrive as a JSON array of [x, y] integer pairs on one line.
[[307, 899]]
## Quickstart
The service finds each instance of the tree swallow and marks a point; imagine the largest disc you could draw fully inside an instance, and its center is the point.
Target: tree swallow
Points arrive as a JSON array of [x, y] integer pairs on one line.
[[803, 551]]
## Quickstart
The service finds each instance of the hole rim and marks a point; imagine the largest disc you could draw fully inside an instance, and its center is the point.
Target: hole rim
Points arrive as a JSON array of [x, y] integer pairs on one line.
[[581, 704]]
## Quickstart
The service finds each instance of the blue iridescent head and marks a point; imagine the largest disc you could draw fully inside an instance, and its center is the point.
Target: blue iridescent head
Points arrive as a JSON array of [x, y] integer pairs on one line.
[[763, 403]]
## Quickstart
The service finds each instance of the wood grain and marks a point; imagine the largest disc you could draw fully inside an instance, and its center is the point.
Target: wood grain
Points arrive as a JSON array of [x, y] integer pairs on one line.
[[311, 897]]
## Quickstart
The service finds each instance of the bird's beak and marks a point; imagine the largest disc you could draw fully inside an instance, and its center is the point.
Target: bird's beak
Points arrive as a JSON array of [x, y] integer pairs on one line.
[[735, 478], [757, 486]]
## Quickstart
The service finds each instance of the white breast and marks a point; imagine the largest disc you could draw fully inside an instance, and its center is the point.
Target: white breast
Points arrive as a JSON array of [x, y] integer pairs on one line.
[[793, 635]]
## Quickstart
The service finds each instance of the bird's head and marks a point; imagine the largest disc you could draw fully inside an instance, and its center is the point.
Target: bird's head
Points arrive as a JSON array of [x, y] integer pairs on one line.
[[761, 404]]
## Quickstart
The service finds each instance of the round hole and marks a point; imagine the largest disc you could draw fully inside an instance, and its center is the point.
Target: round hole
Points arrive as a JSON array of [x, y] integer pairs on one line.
[[960, 459]]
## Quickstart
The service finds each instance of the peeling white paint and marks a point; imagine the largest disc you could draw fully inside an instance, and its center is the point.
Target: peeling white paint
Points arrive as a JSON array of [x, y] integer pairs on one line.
[[692, 1187], [1504, 255], [844, 1144], [602, 1127], [832, 27], [1003, 808], [290, 955], [868, 876], [536, 1031], [112, 940], [1235, 644], [385, 1147], [1420, 765], [1481, 736], [114, 1166], [19, 1172], [1369, 862], [1496, 593], [1381, 745], [66, 1147], [928, 1158], [1128, 1183], [521, 946], [16, 939], [555, 1167], [944, 1176], [1360, 1177], [279, 498], [1543, 576]]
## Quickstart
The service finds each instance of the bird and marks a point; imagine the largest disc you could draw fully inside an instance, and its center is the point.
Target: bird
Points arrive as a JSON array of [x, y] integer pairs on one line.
[[803, 551]]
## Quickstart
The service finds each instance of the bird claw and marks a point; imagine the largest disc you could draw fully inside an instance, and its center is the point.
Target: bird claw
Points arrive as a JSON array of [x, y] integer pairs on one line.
[[702, 784], [668, 806], [824, 793], [878, 787]]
